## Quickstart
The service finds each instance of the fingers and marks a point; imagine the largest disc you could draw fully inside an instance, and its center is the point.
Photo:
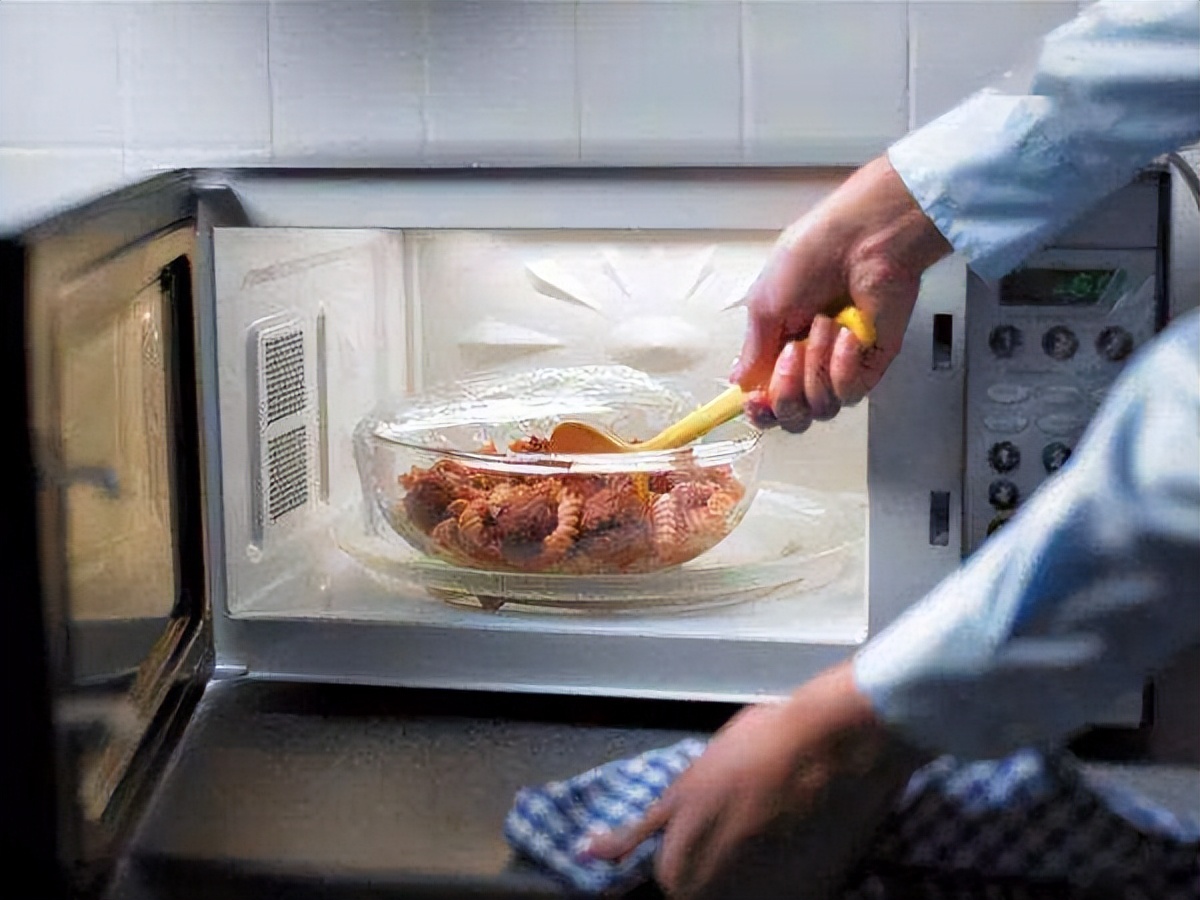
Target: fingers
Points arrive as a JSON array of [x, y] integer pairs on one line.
[[685, 861], [823, 403], [801, 387], [814, 378], [786, 391], [762, 343], [847, 373], [759, 412], [621, 842]]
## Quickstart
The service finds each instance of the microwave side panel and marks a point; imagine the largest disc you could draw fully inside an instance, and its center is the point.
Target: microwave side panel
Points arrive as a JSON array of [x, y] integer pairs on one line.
[[310, 334], [915, 452]]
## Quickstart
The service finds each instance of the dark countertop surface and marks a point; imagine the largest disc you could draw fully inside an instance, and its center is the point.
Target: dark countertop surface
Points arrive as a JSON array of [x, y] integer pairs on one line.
[[297, 791]]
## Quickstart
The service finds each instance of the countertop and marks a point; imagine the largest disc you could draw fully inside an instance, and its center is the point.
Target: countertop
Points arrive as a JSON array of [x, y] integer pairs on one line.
[[297, 791]]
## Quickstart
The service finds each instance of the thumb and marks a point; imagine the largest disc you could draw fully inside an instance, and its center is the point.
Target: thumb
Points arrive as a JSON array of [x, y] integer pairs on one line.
[[619, 842], [764, 340]]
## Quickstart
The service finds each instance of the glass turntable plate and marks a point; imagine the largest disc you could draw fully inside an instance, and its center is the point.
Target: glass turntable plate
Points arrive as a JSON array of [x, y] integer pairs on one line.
[[791, 537]]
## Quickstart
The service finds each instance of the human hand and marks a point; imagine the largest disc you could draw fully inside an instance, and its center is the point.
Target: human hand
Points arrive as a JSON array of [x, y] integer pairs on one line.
[[785, 795], [867, 245]]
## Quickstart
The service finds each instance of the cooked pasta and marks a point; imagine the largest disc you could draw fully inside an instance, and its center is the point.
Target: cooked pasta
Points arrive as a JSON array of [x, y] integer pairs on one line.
[[567, 522]]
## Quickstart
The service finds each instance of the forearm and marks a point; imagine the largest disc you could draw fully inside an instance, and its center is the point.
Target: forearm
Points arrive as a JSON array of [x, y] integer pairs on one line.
[[1091, 586], [1010, 167], [848, 770]]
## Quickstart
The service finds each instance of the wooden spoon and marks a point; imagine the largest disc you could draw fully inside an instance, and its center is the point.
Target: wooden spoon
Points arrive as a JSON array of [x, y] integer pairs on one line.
[[579, 437]]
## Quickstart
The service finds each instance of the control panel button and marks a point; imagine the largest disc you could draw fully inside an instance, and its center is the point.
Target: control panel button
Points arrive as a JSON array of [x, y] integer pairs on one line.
[[1114, 343], [1060, 394], [1060, 423], [1060, 343], [1005, 341], [1003, 494], [1005, 424], [1055, 456], [1007, 393], [1004, 456]]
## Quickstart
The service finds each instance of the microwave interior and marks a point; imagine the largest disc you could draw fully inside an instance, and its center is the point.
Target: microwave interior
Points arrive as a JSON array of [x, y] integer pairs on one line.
[[334, 322], [336, 298]]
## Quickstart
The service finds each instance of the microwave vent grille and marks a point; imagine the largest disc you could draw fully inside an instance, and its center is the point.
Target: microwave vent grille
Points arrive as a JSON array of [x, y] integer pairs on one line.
[[287, 472], [283, 420], [284, 364]]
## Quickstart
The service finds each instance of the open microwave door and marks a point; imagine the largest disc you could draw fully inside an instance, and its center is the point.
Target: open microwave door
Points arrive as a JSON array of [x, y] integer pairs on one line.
[[107, 544]]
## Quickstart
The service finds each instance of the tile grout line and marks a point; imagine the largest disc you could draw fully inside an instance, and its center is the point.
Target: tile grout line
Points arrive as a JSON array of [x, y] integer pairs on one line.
[[424, 48], [63, 147], [744, 87], [118, 24], [910, 60], [271, 155], [579, 88]]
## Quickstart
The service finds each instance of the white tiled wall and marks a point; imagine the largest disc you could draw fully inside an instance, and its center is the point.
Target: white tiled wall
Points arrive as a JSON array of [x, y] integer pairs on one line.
[[345, 80], [500, 82], [659, 81], [95, 92], [59, 75], [958, 48], [830, 78]]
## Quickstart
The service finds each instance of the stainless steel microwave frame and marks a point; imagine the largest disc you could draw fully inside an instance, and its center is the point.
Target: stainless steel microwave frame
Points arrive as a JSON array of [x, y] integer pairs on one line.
[[161, 232]]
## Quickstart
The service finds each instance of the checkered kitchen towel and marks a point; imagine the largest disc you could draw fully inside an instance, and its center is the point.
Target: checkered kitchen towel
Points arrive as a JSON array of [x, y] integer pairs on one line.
[[1026, 819]]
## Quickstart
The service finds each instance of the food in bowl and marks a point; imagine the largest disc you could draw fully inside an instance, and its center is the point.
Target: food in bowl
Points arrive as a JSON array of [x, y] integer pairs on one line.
[[436, 476], [578, 523]]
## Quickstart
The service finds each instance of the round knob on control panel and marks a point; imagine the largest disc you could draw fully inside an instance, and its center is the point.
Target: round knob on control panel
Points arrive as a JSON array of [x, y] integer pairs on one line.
[[1055, 456], [1114, 343], [1003, 494], [1004, 456], [1005, 341], [1060, 343]]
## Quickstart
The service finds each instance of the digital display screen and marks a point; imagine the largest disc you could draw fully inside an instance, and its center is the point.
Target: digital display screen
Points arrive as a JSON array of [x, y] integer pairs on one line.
[[1055, 287]]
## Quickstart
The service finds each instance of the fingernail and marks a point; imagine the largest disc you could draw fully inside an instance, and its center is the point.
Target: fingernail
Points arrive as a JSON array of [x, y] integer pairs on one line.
[[760, 412]]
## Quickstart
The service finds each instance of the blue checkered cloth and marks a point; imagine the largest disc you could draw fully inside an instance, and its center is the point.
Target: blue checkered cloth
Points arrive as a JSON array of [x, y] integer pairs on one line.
[[1028, 818]]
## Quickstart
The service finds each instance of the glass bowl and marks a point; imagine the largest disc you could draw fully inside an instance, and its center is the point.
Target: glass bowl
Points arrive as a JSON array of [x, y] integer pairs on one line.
[[457, 474]]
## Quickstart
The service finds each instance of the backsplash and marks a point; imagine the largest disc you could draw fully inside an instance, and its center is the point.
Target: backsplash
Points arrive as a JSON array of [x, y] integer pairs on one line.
[[96, 93]]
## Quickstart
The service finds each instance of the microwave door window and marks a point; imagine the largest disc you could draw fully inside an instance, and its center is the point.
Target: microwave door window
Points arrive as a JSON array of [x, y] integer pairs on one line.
[[117, 486], [120, 459]]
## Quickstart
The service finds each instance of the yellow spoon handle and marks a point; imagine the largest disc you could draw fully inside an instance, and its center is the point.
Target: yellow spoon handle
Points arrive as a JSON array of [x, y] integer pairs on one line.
[[729, 404], [858, 324], [699, 423]]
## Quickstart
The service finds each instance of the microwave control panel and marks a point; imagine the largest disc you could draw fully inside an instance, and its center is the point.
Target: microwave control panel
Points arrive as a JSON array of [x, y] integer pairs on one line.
[[1044, 353], [1046, 343], [1044, 347]]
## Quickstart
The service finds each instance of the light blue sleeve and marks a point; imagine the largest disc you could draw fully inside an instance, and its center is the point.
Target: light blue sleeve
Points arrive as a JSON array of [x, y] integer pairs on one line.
[[1012, 166], [1093, 584]]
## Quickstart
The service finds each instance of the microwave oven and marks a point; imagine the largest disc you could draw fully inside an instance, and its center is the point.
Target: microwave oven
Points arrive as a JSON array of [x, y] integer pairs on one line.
[[192, 355]]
